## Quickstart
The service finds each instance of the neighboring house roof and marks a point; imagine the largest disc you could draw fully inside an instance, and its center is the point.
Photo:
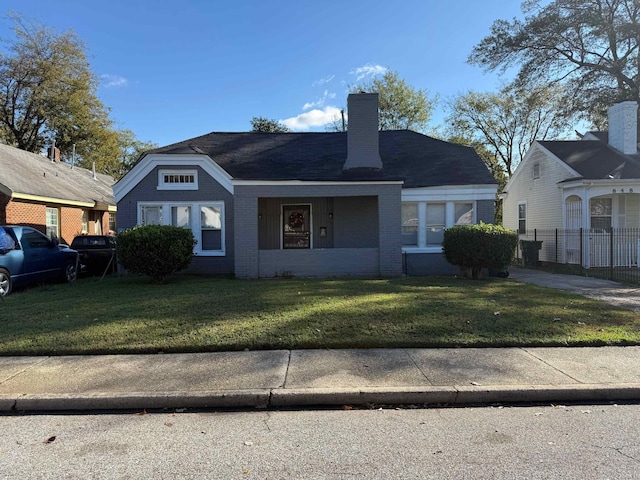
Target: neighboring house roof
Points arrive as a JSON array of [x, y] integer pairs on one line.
[[24, 174], [595, 160], [419, 160]]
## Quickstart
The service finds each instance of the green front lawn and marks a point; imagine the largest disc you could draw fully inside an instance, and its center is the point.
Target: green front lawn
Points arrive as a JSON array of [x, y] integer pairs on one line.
[[195, 314]]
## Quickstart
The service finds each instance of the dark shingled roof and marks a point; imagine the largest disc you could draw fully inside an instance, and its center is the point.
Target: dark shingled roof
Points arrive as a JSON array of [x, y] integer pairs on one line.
[[418, 160], [594, 160]]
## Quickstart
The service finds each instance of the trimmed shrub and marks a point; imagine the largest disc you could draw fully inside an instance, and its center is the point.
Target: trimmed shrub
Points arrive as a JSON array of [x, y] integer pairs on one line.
[[155, 250], [474, 247]]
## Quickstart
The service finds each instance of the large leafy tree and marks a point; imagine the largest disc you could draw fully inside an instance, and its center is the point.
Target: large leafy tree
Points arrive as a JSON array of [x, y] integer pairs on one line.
[[400, 106], [506, 123], [266, 125], [591, 46], [130, 149], [48, 94]]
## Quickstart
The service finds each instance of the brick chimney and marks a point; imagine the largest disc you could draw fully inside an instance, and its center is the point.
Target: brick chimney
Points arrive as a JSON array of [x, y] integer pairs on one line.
[[623, 127], [363, 155], [53, 153]]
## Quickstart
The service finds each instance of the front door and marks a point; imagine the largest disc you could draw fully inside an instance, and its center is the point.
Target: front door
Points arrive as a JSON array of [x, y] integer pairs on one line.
[[296, 226]]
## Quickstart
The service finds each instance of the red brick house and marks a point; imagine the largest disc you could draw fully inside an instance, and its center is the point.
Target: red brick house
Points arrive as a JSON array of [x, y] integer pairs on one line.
[[56, 198]]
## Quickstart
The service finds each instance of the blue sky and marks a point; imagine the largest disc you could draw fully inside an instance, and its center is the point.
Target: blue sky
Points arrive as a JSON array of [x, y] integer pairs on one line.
[[172, 70]]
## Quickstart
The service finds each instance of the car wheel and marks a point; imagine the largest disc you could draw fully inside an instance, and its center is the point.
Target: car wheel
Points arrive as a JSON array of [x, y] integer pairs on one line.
[[5, 282], [70, 272]]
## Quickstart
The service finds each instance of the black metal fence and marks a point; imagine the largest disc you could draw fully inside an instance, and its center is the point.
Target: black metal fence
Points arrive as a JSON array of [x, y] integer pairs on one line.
[[611, 254]]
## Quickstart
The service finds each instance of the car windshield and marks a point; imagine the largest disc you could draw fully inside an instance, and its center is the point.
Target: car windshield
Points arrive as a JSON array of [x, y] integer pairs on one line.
[[6, 241]]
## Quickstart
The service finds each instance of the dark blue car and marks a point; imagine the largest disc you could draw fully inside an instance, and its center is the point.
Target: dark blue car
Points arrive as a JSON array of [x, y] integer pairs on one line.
[[28, 257]]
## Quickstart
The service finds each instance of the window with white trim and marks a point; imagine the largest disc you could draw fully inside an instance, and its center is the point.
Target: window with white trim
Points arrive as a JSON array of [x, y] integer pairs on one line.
[[150, 215], [85, 221], [410, 223], [436, 222], [522, 218], [181, 216], [112, 222], [211, 239], [600, 209], [205, 220], [424, 223], [464, 214], [178, 179], [52, 223]]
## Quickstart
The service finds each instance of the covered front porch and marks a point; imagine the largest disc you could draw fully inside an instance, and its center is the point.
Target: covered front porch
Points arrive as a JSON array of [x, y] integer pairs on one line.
[[337, 230], [602, 226]]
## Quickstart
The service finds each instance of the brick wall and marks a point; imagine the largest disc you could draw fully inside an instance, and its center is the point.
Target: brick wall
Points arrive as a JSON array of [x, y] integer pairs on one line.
[[35, 215], [70, 223], [24, 213]]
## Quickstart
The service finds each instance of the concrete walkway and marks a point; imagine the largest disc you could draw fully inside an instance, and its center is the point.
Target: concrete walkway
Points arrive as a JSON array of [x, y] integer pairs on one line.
[[305, 378]]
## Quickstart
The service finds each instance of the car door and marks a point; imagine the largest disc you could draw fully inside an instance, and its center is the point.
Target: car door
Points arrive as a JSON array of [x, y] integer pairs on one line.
[[41, 256], [11, 255]]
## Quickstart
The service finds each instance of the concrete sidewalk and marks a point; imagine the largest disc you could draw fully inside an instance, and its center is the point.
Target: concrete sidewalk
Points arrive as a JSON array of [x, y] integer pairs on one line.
[[303, 378]]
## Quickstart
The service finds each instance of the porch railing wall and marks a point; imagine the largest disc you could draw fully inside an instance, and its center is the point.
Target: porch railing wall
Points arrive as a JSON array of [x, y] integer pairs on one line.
[[611, 254]]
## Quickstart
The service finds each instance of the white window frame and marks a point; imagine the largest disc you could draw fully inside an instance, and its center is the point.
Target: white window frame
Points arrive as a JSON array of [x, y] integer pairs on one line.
[[473, 210], [520, 204], [50, 225], [162, 185], [449, 216], [195, 222]]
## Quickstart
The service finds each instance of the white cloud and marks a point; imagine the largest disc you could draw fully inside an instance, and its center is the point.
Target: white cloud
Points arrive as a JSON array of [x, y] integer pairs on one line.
[[322, 81], [312, 118], [320, 102], [113, 81], [368, 71]]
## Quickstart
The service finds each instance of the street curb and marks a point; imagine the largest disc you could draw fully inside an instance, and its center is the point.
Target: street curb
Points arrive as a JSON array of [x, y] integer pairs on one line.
[[318, 397], [258, 398]]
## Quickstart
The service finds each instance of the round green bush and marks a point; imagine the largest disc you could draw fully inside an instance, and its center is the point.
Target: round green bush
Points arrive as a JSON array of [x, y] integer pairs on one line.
[[155, 250], [474, 247]]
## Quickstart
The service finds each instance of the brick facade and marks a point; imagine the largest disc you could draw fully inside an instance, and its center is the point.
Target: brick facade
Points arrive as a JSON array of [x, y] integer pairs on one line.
[[17, 212]]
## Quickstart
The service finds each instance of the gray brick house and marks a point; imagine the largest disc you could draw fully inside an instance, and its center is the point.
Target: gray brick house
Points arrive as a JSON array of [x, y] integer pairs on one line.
[[364, 202]]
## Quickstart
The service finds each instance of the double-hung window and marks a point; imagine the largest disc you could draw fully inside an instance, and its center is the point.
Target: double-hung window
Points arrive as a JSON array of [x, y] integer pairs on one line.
[[600, 209], [211, 239], [435, 224], [52, 223], [522, 218], [424, 222], [410, 223], [205, 220]]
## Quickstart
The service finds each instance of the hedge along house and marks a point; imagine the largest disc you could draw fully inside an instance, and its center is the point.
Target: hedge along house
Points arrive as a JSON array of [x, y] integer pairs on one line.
[[54, 197], [311, 204]]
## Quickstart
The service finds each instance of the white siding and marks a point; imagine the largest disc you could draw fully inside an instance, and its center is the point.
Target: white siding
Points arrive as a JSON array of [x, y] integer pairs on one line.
[[542, 195], [633, 211]]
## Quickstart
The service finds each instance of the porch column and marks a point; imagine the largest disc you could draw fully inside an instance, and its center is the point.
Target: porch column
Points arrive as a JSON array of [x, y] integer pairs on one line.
[[390, 230], [245, 223]]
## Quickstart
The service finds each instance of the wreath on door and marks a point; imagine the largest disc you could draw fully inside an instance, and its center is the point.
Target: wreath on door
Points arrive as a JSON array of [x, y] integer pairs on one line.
[[296, 220]]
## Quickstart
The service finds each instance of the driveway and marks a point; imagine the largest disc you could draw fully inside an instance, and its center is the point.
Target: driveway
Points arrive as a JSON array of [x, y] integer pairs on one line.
[[613, 293]]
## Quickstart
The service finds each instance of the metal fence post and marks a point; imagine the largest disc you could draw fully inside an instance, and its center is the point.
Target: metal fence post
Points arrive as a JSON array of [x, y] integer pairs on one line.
[[581, 250], [611, 254]]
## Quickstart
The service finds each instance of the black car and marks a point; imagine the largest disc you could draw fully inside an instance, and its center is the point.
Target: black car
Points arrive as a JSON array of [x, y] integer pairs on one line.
[[97, 253]]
